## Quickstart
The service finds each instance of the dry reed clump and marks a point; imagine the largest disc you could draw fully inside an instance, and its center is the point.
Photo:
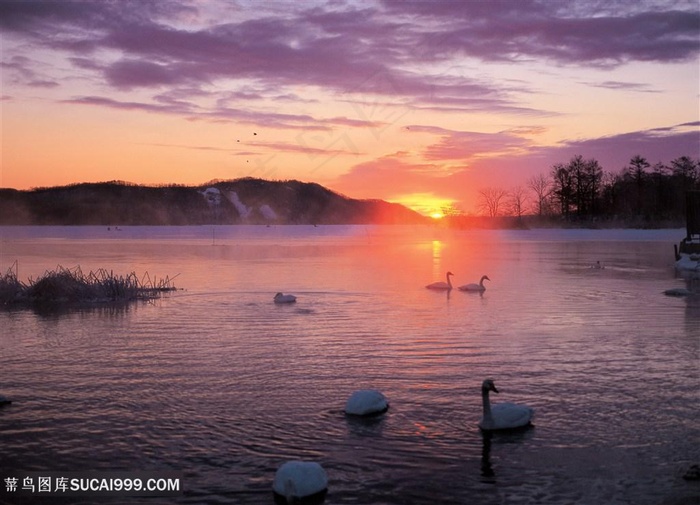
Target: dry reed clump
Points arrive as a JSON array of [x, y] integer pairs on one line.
[[72, 286]]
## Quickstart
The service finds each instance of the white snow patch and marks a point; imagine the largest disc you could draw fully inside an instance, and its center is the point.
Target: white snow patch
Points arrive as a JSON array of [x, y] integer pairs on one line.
[[212, 195], [267, 212], [242, 208], [689, 262]]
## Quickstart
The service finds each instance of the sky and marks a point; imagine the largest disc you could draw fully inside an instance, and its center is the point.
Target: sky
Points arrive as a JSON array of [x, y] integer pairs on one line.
[[423, 103]]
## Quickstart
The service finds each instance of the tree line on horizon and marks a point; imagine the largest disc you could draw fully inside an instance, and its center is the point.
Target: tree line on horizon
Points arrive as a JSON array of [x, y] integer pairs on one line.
[[246, 200], [581, 191]]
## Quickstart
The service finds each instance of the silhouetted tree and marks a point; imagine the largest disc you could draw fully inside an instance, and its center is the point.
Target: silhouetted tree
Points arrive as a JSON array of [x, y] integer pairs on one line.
[[490, 201], [563, 188], [583, 189], [637, 167], [636, 171], [516, 201], [593, 175], [686, 170], [586, 176], [451, 211], [541, 186]]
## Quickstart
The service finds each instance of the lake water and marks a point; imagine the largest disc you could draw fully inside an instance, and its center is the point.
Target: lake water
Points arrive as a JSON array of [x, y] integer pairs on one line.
[[219, 383]]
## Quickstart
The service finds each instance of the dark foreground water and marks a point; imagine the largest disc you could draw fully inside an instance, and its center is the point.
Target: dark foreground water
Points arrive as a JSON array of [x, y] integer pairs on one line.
[[217, 382]]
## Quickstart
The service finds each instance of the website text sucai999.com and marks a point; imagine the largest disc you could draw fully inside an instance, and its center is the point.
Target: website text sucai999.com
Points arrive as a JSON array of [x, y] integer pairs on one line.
[[107, 483]]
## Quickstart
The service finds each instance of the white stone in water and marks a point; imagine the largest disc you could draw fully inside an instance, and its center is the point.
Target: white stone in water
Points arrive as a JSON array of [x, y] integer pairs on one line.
[[300, 479], [366, 402]]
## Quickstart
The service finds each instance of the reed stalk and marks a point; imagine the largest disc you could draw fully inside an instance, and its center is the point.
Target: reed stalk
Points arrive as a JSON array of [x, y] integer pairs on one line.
[[72, 286]]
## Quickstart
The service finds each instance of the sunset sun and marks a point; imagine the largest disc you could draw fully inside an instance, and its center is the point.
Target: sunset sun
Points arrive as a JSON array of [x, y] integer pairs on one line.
[[427, 204]]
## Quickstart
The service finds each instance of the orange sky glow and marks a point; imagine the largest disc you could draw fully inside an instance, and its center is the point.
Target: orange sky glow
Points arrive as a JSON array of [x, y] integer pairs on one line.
[[420, 103]]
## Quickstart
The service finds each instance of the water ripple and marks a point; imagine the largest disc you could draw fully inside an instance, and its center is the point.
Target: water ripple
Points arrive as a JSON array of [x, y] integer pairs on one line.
[[220, 383]]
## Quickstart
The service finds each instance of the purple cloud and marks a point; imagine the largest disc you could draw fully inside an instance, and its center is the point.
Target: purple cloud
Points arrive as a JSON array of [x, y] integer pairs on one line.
[[23, 71], [342, 50], [169, 104], [135, 106], [625, 86], [127, 74], [565, 32], [515, 148], [657, 145]]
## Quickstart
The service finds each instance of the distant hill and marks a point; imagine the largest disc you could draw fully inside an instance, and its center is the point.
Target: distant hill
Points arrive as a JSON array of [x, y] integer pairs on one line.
[[240, 201]]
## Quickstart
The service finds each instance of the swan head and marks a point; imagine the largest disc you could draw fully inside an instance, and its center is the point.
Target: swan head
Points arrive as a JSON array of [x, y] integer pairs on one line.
[[485, 278], [487, 386], [450, 273]]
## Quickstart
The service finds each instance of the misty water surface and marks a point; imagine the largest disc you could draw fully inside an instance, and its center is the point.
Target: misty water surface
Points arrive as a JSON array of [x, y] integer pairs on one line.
[[216, 381]]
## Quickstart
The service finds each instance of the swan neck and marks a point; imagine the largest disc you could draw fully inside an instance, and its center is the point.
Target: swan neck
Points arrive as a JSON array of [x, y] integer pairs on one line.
[[449, 283], [486, 404]]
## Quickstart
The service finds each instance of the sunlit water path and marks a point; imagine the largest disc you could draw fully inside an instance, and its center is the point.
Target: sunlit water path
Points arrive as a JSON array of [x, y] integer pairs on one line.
[[218, 382]]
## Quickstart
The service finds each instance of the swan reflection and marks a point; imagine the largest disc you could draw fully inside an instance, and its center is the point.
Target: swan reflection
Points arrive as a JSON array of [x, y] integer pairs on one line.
[[486, 467], [500, 439]]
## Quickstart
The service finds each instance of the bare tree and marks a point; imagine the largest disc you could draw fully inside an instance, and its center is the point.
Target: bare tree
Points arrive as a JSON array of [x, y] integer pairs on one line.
[[451, 211], [517, 199], [541, 185], [563, 188], [491, 201]]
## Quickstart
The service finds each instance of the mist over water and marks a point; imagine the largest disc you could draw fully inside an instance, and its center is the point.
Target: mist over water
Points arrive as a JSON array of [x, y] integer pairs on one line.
[[218, 382]]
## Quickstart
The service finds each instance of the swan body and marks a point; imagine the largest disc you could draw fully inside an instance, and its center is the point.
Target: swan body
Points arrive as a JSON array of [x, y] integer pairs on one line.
[[299, 480], [442, 285], [282, 298], [366, 402], [476, 287], [4, 401], [502, 416], [678, 292]]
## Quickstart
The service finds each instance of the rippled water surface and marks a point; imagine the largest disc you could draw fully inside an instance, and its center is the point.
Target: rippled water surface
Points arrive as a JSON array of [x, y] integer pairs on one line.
[[221, 384]]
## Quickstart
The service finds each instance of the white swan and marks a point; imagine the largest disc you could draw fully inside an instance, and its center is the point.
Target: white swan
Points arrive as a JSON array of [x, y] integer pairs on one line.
[[476, 287], [441, 285], [299, 480], [282, 298], [366, 402], [502, 416]]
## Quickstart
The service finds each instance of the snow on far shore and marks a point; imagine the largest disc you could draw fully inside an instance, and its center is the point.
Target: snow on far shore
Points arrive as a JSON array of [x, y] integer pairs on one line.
[[214, 196], [242, 209]]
